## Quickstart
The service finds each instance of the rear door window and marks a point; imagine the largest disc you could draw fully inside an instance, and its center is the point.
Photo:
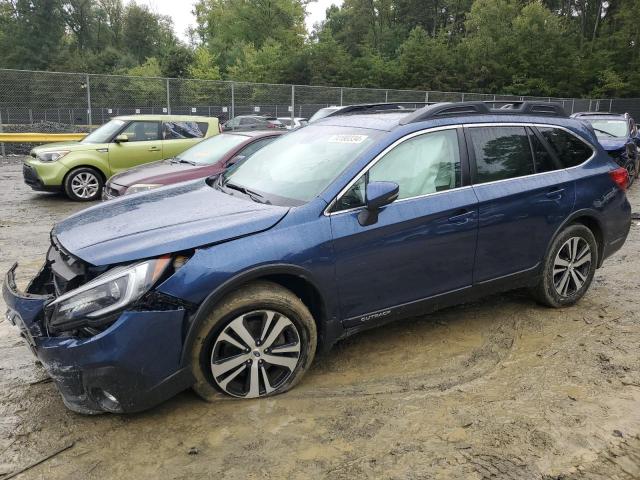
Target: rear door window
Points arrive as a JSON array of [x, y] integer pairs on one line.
[[501, 153], [570, 150], [184, 130]]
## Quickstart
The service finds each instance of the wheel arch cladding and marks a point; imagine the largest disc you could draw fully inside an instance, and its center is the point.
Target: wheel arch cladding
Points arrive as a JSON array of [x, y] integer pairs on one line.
[[594, 225], [292, 278], [92, 167]]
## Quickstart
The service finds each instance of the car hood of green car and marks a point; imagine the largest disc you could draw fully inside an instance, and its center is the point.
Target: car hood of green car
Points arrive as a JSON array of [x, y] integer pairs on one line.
[[71, 146]]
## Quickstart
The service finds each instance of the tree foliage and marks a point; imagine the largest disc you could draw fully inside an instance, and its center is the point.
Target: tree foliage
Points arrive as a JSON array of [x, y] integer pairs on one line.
[[523, 47]]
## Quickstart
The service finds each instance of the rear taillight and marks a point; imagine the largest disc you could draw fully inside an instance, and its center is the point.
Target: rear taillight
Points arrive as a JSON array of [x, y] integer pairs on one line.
[[621, 177]]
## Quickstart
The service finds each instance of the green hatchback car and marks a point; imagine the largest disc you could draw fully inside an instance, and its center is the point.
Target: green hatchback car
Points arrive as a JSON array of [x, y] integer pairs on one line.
[[80, 169]]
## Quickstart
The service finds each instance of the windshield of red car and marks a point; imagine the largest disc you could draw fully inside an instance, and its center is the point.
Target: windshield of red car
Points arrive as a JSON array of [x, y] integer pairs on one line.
[[212, 150]]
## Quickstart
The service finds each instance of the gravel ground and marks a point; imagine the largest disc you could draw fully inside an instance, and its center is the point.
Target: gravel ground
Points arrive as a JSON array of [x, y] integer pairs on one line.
[[498, 389]]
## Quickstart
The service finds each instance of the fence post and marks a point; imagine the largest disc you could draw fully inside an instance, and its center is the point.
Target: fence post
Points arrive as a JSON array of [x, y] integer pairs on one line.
[[590, 100], [426, 97], [293, 104], [89, 104], [233, 100], [341, 92], [386, 96], [1, 144], [30, 116], [610, 104], [573, 105], [168, 99]]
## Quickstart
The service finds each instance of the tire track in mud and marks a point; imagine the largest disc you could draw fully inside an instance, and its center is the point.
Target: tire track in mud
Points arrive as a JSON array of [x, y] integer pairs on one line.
[[499, 340]]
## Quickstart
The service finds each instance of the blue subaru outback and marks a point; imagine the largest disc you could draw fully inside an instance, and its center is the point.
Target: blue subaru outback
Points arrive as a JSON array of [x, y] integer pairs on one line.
[[230, 285]]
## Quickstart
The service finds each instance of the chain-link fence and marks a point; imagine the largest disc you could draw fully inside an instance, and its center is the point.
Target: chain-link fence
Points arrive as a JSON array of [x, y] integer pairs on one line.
[[34, 101]]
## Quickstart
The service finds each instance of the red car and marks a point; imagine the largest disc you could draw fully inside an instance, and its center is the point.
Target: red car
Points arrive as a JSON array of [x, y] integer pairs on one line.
[[207, 158]]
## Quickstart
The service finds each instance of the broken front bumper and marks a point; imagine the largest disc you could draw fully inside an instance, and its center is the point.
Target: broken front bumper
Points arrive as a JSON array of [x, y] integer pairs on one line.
[[132, 365]]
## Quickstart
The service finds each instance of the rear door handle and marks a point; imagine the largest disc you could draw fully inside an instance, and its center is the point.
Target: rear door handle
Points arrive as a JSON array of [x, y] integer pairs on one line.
[[154, 149], [463, 217], [555, 194]]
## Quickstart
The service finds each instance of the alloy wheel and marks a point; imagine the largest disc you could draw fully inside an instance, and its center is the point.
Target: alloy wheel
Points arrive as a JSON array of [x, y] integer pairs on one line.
[[85, 185], [571, 266], [255, 354]]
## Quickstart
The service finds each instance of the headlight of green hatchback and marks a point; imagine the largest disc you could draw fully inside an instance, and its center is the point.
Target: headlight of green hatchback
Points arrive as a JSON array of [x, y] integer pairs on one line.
[[52, 156]]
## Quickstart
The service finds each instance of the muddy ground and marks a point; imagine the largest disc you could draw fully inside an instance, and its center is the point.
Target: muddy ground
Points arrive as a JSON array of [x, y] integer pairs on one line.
[[502, 389]]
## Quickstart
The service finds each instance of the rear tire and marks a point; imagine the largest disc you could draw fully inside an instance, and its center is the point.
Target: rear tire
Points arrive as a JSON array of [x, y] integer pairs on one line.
[[83, 184], [257, 341], [569, 267]]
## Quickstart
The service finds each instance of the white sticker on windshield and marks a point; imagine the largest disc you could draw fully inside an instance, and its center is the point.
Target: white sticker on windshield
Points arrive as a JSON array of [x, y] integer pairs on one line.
[[347, 138]]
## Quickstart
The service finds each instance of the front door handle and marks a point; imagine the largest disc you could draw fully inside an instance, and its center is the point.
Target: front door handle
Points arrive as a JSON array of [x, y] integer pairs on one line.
[[154, 149], [461, 217]]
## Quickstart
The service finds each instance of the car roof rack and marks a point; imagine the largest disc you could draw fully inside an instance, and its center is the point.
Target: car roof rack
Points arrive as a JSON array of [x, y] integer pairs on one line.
[[386, 107], [509, 107]]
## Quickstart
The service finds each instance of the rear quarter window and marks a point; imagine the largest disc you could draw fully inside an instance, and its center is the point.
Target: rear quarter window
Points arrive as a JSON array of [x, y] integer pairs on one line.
[[184, 130], [570, 150]]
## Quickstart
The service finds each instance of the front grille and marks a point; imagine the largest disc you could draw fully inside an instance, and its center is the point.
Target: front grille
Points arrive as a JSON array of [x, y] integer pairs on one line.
[[110, 192], [68, 271], [30, 175], [620, 155]]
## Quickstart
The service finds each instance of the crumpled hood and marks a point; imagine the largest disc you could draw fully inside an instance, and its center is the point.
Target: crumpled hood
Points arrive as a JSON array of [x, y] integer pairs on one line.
[[166, 220], [612, 144]]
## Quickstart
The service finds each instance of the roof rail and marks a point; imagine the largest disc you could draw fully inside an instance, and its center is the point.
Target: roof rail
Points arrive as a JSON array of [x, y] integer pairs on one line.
[[365, 108], [456, 109]]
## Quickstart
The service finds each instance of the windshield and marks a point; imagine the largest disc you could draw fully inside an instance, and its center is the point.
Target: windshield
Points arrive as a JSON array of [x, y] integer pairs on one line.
[[212, 150], [323, 112], [609, 128], [104, 133], [300, 165]]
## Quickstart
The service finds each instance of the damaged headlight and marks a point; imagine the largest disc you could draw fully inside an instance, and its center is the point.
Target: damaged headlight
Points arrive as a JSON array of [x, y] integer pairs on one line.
[[105, 294]]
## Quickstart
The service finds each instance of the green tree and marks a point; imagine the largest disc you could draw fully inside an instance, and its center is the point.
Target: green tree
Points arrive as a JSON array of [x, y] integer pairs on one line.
[[204, 65], [225, 24]]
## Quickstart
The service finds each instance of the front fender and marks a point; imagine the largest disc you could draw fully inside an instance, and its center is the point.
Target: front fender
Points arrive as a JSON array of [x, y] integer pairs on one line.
[[88, 158], [330, 329]]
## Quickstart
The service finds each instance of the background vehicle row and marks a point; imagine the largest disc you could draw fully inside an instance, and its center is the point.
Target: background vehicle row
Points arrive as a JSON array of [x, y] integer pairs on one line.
[[81, 168]]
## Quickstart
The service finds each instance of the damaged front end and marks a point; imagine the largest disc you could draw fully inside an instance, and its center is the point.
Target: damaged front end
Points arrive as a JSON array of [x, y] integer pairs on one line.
[[109, 342]]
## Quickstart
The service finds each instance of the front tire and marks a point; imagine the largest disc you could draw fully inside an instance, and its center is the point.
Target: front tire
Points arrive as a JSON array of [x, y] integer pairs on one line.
[[631, 169], [258, 341], [83, 184], [568, 268]]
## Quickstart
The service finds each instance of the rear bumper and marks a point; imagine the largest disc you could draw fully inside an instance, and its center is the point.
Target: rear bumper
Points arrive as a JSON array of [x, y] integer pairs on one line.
[[135, 361]]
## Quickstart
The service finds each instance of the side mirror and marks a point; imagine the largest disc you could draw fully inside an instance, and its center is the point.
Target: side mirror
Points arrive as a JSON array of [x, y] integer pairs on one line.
[[379, 194], [121, 138], [234, 160]]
